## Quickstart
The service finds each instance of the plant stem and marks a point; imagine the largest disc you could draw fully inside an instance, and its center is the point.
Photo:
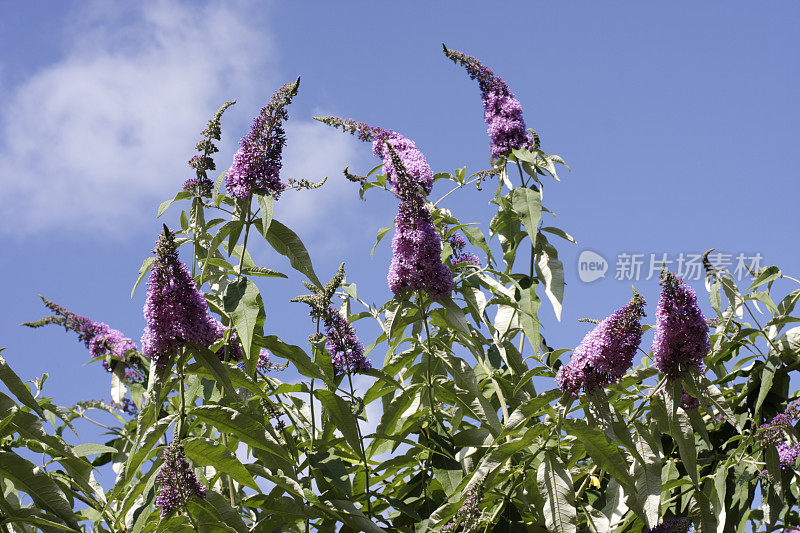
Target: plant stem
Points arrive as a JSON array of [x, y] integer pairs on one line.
[[363, 451], [182, 430], [247, 224]]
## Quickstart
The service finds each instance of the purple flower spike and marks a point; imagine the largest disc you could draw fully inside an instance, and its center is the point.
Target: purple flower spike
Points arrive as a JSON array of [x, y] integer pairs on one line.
[[257, 164], [175, 311], [606, 353], [787, 455], [343, 345], [673, 525], [501, 110], [176, 480], [681, 339]]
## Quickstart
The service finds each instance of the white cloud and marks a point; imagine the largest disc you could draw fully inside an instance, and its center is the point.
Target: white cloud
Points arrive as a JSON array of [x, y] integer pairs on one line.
[[95, 140]]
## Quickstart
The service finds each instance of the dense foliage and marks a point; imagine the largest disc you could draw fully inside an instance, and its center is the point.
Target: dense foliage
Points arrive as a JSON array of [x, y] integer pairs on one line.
[[700, 432]]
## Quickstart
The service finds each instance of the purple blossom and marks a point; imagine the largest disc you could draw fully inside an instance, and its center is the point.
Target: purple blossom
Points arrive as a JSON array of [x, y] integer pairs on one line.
[[257, 164], [198, 186], [412, 160], [175, 311], [689, 402], [606, 353], [673, 525], [681, 339], [787, 454], [772, 432], [176, 480], [501, 110], [347, 352], [264, 363]]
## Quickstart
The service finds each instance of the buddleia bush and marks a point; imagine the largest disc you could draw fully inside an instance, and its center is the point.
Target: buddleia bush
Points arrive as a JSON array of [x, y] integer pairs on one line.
[[479, 424]]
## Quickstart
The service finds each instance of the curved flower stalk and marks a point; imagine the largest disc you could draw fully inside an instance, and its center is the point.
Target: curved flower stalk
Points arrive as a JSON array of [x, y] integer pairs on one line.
[[412, 159], [501, 110], [606, 353], [681, 339], [176, 480], [99, 338], [257, 164], [175, 311], [202, 162]]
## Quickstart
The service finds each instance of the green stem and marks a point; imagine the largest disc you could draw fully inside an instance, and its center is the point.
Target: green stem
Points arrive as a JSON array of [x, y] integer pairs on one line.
[[247, 224], [182, 430], [363, 451]]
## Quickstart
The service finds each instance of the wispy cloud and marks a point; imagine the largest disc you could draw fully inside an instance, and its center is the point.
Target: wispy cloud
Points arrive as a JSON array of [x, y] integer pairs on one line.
[[93, 141]]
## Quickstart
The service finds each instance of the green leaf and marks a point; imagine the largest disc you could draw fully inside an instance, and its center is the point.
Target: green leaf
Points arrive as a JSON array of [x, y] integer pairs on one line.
[[243, 303], [88, 448], [381, 234], [287, 243], [211, 361], [550, 270], [17, 387], [555, 484], [43, 490], [267, 205], [263, 272], [768, 275], [244, 427], [455, 315], [767, 377], [207, 452], [142, 272], [681, 430], [606, 454], [560, 232], [342, 417], [182, 195], [527, 204], [295, 354], [648, 479], [334, 471]]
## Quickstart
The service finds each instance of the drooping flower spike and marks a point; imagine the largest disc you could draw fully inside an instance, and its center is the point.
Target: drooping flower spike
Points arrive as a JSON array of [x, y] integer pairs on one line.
[[681, 338], [501, 110], [412, 159], [176, 480], [606, 353], [100, 339], [257, 164], [175, 310]]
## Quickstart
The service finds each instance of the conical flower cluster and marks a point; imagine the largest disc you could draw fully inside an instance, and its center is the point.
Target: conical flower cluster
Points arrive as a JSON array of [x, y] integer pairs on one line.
[[257, 164], [606, 353], [203, 161], [416, 246], [681, 339], [501, 110], [175, 311], [176, 480]]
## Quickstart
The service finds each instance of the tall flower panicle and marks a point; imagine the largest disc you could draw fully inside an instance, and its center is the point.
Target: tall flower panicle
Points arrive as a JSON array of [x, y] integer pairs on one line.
[[347, 352], [412, 159], [416, 246], [501, 110], [606, 353], [99, 338], [773, 431], [681, 339], [787, 455], [257, 164], [176, 480], [202, 162], [175, 311], [674, 525]]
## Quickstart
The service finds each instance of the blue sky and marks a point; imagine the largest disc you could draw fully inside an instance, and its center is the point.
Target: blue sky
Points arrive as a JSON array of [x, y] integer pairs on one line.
[[679, 121]]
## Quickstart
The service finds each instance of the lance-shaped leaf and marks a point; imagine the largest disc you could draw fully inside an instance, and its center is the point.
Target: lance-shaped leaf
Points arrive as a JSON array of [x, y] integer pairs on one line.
[[243, 303], [606, 454], [17, 387], [207, 452], [244, 427], [341, 415], [527, 204], [681, 430], [43, 490], [555, 484], [295, 354], [550, 270], [647, 476], [287, 243]]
